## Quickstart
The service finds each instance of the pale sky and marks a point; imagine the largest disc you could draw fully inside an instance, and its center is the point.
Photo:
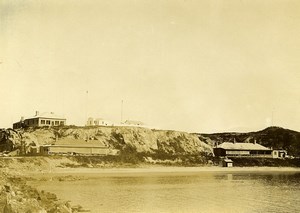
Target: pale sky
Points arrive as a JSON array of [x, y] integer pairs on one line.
[[197, 66]]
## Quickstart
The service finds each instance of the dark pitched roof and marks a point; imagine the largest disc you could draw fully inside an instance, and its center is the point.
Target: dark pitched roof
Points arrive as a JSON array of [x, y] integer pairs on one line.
[[242, 146]]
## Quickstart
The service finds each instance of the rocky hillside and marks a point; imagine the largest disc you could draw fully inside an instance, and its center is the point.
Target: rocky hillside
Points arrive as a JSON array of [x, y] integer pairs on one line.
[[147, 141], [275, 137], [141, 140]]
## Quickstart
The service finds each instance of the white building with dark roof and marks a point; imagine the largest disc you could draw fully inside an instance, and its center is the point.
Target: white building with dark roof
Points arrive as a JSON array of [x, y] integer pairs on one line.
[[98, 122], [40, 119]]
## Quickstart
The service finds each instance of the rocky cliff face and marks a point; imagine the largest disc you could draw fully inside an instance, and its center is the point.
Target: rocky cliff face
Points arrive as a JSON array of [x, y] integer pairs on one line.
[[142, 140]]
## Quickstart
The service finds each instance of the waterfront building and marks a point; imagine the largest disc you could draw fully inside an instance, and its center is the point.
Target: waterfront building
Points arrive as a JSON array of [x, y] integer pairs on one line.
[[227, 162], [76, 149], [69, 146], [279, 153], [234, 149]]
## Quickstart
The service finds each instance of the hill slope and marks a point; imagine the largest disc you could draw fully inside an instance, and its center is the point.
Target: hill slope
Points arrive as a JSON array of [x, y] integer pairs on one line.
[[141, 140], [275, 137]]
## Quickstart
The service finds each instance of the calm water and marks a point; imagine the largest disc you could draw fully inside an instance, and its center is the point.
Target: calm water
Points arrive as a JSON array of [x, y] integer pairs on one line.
[[183, 192]]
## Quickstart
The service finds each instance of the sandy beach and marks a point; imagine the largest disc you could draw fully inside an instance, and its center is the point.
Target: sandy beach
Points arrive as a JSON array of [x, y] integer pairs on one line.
[[157, 170]]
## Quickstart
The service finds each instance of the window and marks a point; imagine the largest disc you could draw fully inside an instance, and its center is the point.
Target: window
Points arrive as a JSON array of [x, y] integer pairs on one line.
[[61, 123], [48, 122], [42, 121], [56, 123]]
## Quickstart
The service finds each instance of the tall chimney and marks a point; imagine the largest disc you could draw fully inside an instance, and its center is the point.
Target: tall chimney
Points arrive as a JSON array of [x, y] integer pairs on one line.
[[36, 113], [254, 141]]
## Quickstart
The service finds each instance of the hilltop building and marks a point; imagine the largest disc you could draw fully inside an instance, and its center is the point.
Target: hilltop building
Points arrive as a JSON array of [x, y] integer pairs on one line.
[[40, 119], [133, 123], [98, 122]]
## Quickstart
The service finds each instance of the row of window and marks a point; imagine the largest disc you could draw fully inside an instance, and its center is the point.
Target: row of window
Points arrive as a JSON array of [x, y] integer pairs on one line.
[[31, 122], [44, 122], [53, 123], [35, 122]]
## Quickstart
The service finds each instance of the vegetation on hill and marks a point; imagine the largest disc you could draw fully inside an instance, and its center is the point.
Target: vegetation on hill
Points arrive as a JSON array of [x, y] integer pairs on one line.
[[132, 142], [273, 137], [136, 144]]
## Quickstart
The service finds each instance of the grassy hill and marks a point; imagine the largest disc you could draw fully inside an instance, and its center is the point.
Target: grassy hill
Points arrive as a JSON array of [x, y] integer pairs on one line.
[[275, 137]]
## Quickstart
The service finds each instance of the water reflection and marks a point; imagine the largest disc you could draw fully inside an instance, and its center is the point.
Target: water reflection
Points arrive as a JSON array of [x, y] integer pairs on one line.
[[180, 192]]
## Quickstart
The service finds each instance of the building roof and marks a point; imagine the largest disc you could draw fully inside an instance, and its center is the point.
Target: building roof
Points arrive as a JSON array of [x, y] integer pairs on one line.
[[92, 118], [47, 115], [79, 143], [131, 122], [77, 146], [242, 146], [228, 160]]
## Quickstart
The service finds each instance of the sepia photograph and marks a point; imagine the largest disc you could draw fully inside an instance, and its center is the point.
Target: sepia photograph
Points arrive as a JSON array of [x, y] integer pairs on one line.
[[140, 106]]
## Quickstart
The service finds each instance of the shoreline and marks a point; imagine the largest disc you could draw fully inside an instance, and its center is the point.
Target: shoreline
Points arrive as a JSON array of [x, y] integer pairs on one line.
[[79, 175], [157, 170], [19, 180]]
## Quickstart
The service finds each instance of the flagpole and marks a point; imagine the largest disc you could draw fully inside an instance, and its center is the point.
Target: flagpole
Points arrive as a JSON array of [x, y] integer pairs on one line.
[[121, 111]]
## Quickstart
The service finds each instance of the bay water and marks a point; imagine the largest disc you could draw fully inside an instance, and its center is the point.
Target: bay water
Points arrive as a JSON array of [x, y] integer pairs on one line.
[[182, 191]]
